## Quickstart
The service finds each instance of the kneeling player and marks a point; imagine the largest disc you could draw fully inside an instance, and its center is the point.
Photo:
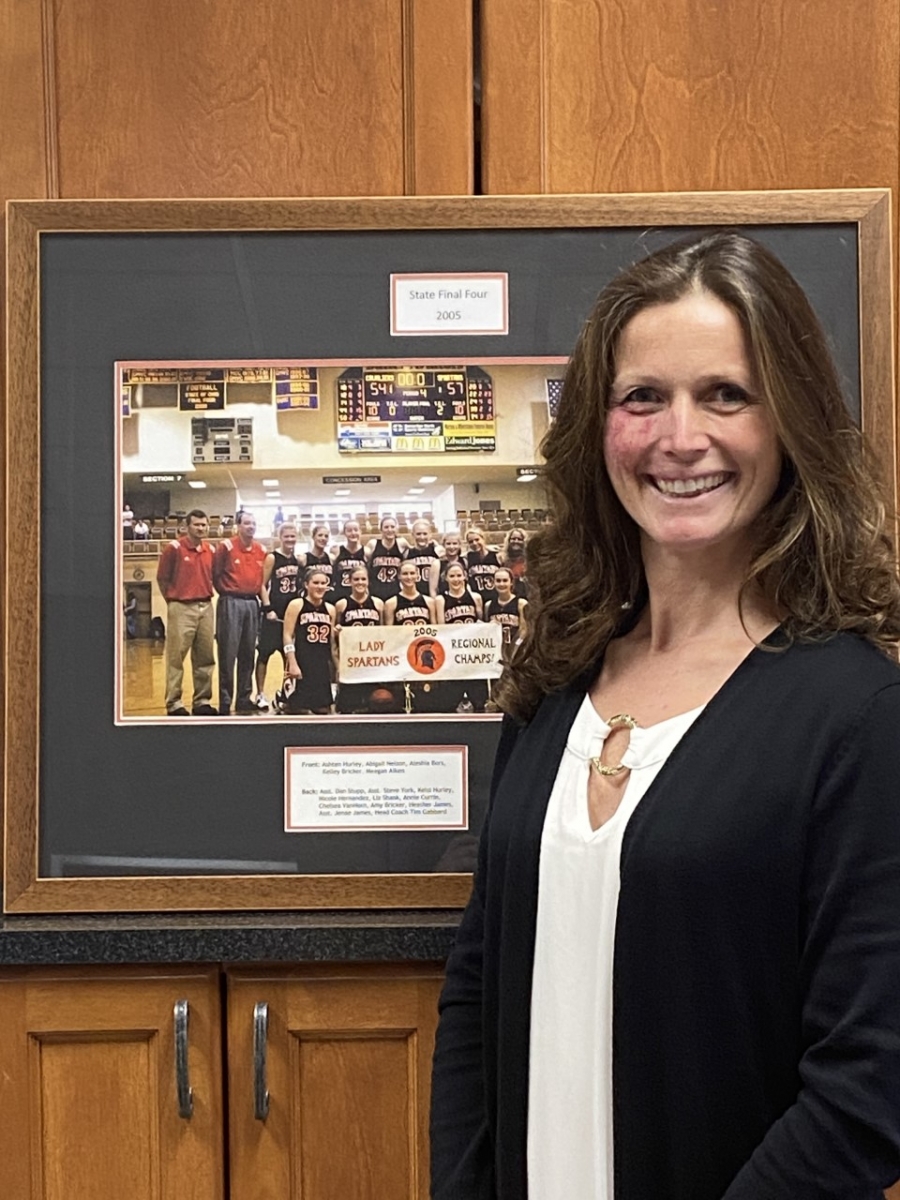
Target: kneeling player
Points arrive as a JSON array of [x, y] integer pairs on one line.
[[458, 606], [358, 609], [507, 610], [411, 607], [309, 649]]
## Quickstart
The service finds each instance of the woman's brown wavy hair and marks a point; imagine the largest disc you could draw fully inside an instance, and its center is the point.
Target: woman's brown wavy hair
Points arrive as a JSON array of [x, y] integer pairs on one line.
[[823, 556]]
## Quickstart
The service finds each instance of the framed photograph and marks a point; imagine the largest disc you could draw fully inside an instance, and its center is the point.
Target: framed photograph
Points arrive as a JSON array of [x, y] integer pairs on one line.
[[268, 456]]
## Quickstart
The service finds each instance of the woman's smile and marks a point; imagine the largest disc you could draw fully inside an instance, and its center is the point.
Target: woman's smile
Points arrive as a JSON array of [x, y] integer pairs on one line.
[[699, 485]]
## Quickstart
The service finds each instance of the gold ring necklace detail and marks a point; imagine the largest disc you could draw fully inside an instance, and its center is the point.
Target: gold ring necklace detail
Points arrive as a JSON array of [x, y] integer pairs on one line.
[[619, 721]]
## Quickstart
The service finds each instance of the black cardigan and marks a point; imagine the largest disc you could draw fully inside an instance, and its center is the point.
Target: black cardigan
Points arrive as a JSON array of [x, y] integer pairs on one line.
[[756, 991]]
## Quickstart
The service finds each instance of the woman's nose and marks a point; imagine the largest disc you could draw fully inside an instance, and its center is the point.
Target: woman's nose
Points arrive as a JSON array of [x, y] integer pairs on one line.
[[685, 427]]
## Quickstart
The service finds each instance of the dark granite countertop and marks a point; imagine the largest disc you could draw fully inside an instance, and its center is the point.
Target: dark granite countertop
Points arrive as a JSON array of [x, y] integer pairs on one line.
[[372, 936]]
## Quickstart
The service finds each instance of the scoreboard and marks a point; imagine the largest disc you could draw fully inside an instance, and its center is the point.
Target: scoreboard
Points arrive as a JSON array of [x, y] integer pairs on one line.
[[415, 409], [201, 389], [296, 387]]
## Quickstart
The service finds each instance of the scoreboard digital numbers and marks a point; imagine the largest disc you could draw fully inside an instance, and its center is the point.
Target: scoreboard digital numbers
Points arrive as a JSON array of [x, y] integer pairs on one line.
[[415, 410]]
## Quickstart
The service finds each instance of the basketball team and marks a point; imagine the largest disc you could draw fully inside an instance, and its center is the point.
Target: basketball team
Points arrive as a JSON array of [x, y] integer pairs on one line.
[[295, 604]]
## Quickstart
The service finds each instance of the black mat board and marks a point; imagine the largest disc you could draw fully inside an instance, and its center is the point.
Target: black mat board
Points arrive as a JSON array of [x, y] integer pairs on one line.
[[214, 793]]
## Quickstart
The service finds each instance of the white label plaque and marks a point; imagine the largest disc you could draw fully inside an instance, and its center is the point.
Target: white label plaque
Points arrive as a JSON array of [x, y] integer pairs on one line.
[[375, 789], [456, 303]]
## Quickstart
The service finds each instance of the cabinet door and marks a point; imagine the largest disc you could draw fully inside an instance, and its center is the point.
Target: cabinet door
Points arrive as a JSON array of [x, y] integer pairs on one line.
[[88, 1086], [348, 1064]]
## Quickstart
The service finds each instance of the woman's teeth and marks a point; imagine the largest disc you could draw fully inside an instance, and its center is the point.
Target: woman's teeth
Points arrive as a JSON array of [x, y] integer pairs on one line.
[[690, 487]]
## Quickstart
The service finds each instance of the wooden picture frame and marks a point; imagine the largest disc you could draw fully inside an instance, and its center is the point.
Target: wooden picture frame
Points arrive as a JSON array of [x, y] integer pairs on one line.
[[861, 216]]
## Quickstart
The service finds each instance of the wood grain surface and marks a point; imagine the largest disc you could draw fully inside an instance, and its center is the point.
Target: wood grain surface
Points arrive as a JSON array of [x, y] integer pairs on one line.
[[222, 99], [669, 95], [87, 1085], [348, 1072]]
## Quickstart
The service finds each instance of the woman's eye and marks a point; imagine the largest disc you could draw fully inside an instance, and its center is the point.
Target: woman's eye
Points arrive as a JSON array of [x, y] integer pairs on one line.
[[730, 395], [640, 400]]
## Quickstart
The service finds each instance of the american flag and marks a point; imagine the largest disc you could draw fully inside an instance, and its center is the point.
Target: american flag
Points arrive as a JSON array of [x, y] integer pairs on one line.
[[554, 391]]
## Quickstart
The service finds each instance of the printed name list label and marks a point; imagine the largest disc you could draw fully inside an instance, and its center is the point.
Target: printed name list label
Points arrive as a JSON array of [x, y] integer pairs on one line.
[[450, 304], [375, 789]]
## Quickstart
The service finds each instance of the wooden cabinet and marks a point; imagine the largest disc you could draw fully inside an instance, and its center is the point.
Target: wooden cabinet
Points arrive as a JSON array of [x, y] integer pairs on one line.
[[348, 1063], [88, 1086], [89, 1092]]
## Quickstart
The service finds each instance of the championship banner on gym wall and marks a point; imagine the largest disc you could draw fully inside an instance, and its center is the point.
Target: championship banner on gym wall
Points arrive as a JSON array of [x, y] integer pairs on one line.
[[405, 653]]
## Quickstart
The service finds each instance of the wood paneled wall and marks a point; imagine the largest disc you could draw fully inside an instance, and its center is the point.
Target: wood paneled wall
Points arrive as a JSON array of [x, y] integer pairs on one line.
[[689, 95], [218, 98]]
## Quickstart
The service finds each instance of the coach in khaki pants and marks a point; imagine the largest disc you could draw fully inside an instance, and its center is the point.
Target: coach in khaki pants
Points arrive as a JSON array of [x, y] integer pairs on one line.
[[184, 575]]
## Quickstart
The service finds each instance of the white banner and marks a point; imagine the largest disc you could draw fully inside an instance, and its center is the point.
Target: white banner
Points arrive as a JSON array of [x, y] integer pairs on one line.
[[404, 653]]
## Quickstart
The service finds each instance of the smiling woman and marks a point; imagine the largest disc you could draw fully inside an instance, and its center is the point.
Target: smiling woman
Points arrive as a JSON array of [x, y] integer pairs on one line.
[[684, 922], [724, 311], [690, 448]]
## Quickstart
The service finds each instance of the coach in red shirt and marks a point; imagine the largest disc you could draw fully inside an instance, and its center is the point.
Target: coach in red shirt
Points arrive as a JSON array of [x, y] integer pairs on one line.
[[184, 575], [238, 578]]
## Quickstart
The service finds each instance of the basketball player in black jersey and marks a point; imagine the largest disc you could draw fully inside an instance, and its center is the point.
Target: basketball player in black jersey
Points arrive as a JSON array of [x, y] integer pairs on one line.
[[427, 557], [507, 610], [460, 606], [409, 606], [309, 648], [384, 555], [452, 554], [349, 556], [481, 563], [282, 576], [351, 612], [318, 556]]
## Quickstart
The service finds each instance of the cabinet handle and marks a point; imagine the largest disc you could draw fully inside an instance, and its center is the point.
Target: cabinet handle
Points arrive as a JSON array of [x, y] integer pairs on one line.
[[260, 1045], [182, 1082]]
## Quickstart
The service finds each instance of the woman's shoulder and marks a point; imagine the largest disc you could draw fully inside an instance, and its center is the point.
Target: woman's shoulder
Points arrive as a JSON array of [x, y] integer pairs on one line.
[[845, 658], [811, 684]]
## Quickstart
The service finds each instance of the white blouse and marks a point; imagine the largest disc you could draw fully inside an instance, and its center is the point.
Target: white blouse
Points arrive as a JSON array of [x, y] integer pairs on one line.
[[570, 1120]]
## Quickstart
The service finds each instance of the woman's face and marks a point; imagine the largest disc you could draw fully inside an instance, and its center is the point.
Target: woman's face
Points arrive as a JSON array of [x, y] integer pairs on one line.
[[502, 582], [409, 576], [320, 538], [516, 540], [689, 445], [452, 544], [475, 539], [288, 537], [317, 586], [359, 581], [421, 534], [389, 528], [455, 577]]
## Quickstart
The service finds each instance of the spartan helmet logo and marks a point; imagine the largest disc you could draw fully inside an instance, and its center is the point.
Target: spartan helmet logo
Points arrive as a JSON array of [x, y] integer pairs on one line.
[[425, 655]]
